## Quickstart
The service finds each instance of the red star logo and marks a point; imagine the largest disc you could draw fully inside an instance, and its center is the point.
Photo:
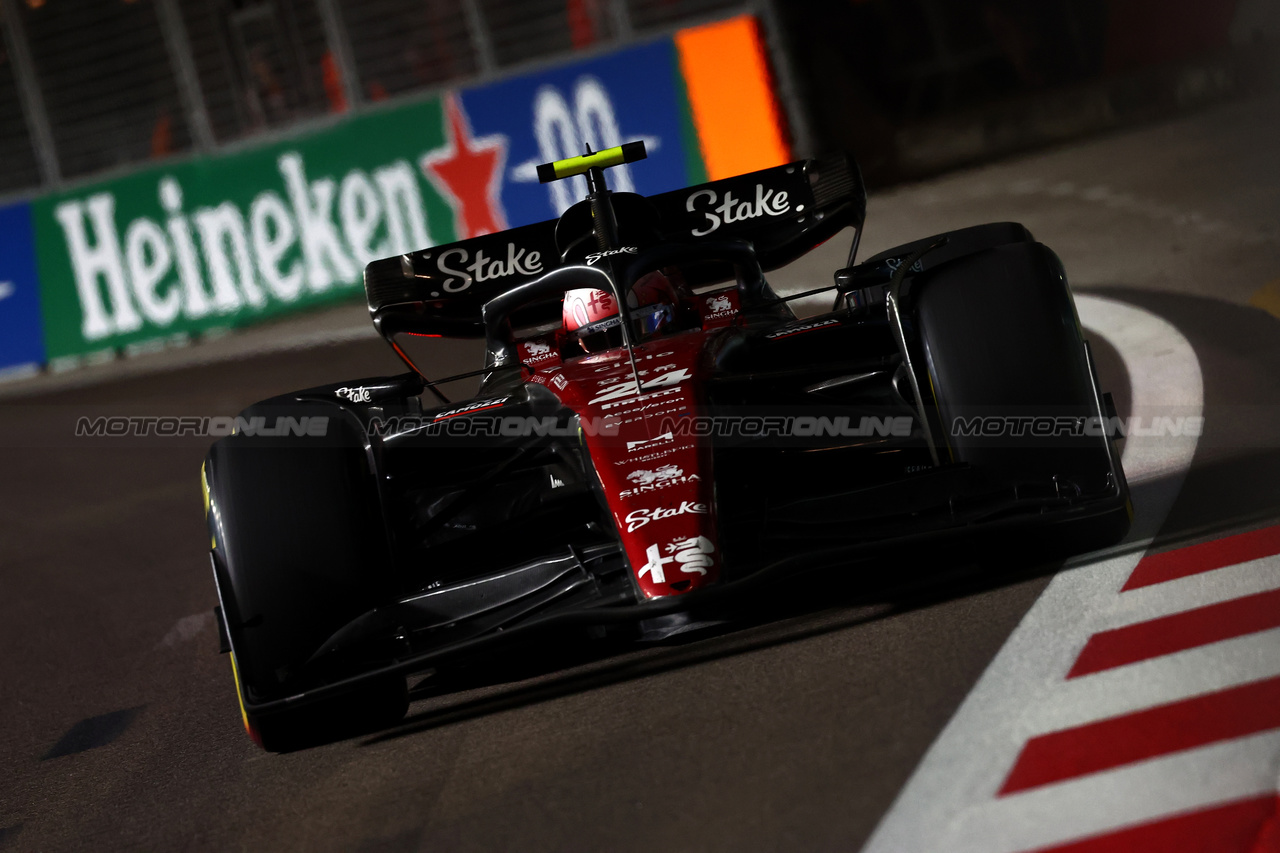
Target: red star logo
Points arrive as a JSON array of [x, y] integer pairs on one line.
[[468, 172]]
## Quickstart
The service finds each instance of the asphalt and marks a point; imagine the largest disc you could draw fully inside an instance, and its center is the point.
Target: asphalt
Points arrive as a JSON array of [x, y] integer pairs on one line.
[[121, 729]]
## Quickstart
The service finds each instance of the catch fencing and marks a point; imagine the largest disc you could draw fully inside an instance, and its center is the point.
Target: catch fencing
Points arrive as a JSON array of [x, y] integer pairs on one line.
[[257, 176], [91, 86]]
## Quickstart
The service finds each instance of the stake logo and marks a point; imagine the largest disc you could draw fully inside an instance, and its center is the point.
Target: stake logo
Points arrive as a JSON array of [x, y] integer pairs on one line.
[[640, 517], [621, 250], [484, 268], [354, 395], [730, 209]]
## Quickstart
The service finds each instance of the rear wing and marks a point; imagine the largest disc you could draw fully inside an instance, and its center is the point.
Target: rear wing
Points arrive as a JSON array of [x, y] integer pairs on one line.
[[783, 211]]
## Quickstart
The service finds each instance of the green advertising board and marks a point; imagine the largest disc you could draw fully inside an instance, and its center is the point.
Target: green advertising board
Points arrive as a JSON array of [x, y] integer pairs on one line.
[[176, 250], [225, 241]]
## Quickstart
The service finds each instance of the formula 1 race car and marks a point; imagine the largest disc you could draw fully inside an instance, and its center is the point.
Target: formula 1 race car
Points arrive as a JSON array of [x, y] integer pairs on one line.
[[647, 436]]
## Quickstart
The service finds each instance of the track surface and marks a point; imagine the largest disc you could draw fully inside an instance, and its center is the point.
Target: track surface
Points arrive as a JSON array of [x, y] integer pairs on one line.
[[121, 729]]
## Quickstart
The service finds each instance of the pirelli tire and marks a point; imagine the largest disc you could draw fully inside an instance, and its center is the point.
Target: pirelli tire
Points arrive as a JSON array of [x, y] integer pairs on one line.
[[299, 550], [1001, 343]]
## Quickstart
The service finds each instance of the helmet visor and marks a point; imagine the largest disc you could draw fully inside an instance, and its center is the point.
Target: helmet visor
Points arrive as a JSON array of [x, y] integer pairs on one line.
[[650, 319], [607, 334]]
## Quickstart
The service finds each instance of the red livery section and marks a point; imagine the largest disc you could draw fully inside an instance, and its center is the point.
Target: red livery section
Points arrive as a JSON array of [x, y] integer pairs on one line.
[[1178, 632], [659, 485], [1113, 742]]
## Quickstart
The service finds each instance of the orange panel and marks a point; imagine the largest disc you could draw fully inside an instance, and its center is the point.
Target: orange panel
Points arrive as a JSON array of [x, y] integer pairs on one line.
[[730, 91]]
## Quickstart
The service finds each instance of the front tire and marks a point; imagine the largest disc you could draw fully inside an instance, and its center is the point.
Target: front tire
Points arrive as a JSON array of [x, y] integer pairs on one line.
[[1000, 343], [378, 704], [1001, 340], [299, 551]]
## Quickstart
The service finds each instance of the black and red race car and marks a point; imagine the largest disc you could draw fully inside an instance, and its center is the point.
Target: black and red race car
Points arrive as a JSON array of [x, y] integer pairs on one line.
[[646, 436]]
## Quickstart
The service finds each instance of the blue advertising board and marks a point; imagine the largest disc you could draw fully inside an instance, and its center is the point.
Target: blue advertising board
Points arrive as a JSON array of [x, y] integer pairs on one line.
[[21, 342], [603, 102]]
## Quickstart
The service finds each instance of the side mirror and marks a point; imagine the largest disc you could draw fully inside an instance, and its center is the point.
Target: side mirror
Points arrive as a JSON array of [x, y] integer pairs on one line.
[[862, 276], [862, 287]]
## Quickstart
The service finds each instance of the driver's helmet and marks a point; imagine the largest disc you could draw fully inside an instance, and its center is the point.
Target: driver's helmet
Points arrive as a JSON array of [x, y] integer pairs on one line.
[[591, 316]]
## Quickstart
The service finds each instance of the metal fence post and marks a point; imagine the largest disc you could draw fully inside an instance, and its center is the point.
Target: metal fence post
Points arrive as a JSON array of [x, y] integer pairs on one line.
[[29, 94], [480, 36], [621, 20], [184, 71], [336, 35], [784, 71]]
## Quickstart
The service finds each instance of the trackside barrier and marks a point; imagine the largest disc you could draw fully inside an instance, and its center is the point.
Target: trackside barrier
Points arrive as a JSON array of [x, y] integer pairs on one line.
[[167, 254]]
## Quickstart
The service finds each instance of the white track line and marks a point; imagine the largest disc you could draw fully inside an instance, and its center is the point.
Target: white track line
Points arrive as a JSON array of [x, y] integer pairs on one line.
[[1198, 590], [949, 803]]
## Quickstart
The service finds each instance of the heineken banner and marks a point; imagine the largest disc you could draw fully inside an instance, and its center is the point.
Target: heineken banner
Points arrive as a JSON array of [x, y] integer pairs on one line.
[[216, 242], [152, 258]]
